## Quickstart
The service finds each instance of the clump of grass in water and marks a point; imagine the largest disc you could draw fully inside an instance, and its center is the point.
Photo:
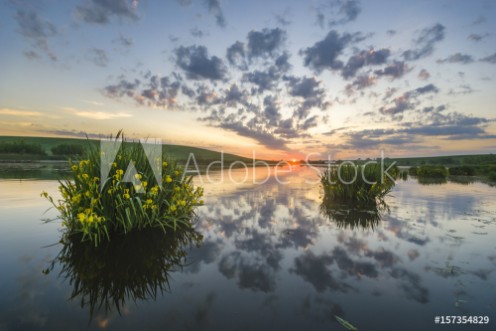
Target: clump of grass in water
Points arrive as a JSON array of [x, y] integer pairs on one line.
[[118, 207], [357, 184], [432, 171]]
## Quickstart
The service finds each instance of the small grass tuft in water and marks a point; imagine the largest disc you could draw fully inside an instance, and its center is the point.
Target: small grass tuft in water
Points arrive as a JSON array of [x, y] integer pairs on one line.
[[357, 184], [432, 171]]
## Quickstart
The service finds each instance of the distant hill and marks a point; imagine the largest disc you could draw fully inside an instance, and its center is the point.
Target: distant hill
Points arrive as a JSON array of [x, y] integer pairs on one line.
[[177, 152]]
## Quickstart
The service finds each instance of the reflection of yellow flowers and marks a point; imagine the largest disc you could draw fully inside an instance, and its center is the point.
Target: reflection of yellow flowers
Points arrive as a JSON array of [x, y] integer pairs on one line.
[[138, 176]]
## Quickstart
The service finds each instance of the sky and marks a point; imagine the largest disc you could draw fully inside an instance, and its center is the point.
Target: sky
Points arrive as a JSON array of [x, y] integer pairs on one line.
[[281, 79]]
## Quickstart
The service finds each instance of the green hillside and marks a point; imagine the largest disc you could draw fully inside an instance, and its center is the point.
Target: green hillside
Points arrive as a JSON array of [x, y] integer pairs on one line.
[[176, 152]]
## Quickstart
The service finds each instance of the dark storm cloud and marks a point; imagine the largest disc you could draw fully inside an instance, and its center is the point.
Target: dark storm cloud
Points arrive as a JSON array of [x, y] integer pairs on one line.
[[102, 11], [324, 54], [196, 63], [490, 58], [425, 43], [37, 31], [363, 58], [98, 57], [395, 70], [457, 58], [266, 42]]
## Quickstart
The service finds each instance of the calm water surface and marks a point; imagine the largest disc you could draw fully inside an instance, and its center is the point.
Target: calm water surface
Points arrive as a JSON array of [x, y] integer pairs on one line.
[[268, 260]]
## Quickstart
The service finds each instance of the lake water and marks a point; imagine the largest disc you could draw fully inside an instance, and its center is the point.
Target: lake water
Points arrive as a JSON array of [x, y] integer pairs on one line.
[[269, 260]]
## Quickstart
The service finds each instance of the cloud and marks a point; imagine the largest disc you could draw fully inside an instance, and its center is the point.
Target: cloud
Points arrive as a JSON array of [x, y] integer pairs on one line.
[[408, 100], [124, 41], [74, 133], [340, 12], [196, 32], [429, 88], [424, 75], [102, 11], [151, 91], [489, 59], [395, 70], [265, 138], [363, 58], [37, 31], [196, 63], [323, 54], [98, 57], [479, 20], [265, 43], [98, 115], [425, 42], [271, 110], [215, 9], [360, 82], [20, 113], [235, 55], [310, 92], [457, 58], [264, 80], [477, 37]]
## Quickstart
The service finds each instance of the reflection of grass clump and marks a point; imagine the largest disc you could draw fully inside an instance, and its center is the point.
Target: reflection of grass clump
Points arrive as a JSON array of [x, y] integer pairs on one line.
[[349, 183], [129, 268], [124, 201], [432, 171], [365, 216], [462, 171], [412, 171]]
